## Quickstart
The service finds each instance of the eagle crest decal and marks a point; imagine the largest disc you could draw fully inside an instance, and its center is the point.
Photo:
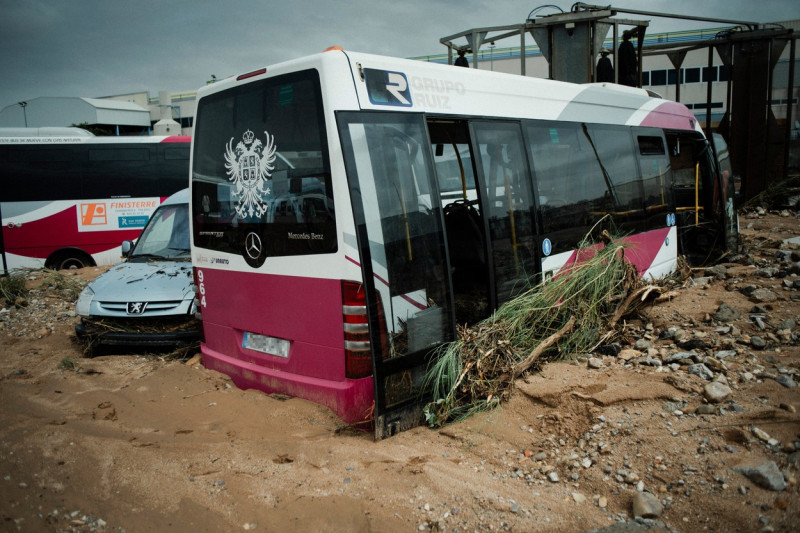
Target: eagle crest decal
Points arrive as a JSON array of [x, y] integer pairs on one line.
[[249, 167]]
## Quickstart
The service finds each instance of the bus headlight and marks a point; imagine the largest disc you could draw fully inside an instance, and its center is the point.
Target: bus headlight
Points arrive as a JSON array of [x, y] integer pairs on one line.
[[84, 302]]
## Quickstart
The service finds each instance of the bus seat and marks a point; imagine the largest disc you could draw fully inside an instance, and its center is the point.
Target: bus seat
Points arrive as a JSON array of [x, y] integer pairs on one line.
[[465, 240]]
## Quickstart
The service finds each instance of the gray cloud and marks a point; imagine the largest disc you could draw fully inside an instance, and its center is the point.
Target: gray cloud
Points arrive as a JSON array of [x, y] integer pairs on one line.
[[105, 47]]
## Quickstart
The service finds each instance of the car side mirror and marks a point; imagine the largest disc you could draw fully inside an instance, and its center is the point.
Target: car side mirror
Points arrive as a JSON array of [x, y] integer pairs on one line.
[[127, 246]]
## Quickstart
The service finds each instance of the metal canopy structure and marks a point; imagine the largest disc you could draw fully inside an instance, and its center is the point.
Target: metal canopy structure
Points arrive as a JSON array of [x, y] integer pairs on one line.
[[759, 145]]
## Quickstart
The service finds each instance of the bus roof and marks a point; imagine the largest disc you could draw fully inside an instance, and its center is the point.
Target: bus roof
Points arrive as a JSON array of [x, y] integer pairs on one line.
[[406, 85], [66, 139], [50, 131]]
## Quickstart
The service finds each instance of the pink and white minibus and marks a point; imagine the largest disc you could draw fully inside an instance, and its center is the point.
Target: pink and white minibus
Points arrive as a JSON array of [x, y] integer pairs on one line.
[[68, 199], [349, 210]]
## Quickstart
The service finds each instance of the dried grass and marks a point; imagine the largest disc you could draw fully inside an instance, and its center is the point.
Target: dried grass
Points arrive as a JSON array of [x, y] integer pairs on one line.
[[569, 314]]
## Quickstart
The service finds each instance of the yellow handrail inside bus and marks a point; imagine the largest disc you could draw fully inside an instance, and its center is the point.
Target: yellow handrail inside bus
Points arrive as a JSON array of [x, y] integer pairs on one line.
[[405, 222], [463, 175], [510, 200]]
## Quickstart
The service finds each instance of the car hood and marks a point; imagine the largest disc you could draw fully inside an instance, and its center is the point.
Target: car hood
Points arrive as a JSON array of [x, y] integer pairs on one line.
[[157, 281]]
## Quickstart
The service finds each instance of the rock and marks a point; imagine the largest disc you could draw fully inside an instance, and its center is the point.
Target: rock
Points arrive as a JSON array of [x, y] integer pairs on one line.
[[682, 357], [646, 505], [764, 436], [578, 497], [714, 364], [628, 354], [631, 478], [726, 313], [793, 459], [693, 344], [718, 271], [668, 334], [643, 344], [767, 272], [641, 525], [648, 361], [766, 475], [705, 409], [762, 295], [595, 362], [716, 392], [553, 477], [701, 370], [757, 342], [704, 281], [786, 381]]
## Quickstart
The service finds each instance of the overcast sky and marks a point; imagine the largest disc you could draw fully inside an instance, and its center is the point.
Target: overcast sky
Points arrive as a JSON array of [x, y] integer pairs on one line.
[[98, 48]]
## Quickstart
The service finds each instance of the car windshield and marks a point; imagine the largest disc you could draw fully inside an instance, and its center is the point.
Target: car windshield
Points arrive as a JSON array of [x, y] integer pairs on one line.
[[166, 236]]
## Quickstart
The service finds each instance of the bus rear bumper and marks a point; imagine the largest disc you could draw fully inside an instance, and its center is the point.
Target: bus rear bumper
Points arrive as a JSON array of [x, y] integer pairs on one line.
[[352, 399]]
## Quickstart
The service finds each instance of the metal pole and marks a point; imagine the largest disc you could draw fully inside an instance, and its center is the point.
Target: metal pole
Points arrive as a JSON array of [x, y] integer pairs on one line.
[[752, 25], [708, 92], [789, 105], [23, 105]]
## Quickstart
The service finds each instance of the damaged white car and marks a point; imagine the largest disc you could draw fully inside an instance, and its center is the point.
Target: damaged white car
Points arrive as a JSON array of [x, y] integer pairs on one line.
[[147, 300]]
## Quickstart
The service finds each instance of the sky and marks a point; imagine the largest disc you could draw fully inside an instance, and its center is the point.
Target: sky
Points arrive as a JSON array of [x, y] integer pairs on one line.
[[96, 48]]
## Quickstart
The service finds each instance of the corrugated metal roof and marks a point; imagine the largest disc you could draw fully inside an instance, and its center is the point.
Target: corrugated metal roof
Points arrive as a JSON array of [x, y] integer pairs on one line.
[[118, 105]]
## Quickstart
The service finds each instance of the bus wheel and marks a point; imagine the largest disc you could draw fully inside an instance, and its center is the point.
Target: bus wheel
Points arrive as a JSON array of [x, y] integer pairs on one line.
[[70, 261]]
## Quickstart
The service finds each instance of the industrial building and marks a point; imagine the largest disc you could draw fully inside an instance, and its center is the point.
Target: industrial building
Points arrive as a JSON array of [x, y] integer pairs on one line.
[[127, 114]]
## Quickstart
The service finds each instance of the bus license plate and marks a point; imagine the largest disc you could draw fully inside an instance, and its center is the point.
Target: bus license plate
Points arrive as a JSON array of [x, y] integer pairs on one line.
[[265, 344]]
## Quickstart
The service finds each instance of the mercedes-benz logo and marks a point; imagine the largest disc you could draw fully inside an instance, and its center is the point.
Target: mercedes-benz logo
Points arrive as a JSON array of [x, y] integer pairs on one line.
[[252, 245]]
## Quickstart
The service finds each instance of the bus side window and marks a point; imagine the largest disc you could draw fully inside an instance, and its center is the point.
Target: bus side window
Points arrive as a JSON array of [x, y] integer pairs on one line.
[[567, 168]]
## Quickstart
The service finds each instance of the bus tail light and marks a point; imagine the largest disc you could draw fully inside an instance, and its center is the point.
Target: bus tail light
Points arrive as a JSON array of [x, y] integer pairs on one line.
[[357, 350]]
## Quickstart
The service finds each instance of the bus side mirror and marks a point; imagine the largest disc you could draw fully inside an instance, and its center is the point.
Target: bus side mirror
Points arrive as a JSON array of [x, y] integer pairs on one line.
[[127, 246]]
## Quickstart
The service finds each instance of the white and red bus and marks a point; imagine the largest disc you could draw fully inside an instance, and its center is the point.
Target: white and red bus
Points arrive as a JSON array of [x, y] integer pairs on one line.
[[69, 200], [349, 210]]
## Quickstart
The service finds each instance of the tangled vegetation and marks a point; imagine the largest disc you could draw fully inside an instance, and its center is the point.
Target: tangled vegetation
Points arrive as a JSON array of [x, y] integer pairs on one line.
[[12, 287], [572, 313]]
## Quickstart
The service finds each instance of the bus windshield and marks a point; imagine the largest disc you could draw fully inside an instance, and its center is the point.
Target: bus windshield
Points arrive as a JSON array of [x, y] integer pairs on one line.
[[261, 168]]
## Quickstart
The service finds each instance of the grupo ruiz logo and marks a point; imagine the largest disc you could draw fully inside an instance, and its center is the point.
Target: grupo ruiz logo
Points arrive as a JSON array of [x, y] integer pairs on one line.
[[386, 87]]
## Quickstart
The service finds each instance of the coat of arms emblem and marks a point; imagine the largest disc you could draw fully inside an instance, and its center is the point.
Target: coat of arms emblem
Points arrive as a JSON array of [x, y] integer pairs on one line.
[[249, 167]]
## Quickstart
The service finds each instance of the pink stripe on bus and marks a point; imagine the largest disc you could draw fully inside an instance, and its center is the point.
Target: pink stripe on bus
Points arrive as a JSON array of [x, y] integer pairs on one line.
[[670, 115]]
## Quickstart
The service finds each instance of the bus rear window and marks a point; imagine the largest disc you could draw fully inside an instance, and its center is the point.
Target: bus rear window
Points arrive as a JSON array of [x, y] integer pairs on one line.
[[261, 166]]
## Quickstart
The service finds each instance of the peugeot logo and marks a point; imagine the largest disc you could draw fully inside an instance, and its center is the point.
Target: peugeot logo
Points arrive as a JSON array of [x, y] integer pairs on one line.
[[136, 308], [252, 245]]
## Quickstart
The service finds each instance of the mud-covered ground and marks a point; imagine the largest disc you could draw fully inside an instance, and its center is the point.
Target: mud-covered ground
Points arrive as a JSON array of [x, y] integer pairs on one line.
[[691, 421]]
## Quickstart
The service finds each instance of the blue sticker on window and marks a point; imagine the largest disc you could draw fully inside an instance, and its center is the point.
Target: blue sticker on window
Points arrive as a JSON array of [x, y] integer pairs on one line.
[[385, 87], [547, 247]]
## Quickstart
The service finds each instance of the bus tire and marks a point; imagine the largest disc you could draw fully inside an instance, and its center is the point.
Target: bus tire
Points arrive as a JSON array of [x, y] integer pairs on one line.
[[70, 260]]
